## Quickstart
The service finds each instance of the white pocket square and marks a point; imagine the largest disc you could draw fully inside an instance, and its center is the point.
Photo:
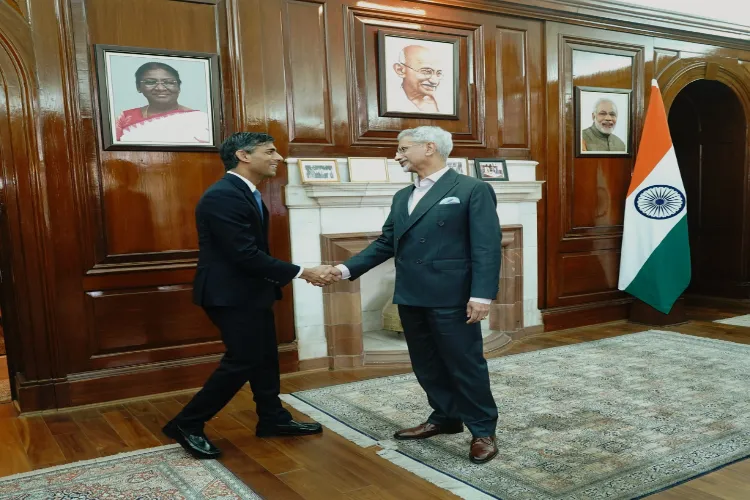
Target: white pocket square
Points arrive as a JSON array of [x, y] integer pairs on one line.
[[451, 200]]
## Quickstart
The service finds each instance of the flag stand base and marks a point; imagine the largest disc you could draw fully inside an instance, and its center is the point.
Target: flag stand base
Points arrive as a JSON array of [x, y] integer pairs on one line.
[[642, 313]]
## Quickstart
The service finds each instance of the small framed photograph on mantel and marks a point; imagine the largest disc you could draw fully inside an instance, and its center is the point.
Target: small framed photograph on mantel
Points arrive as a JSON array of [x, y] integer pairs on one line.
[[314, 170], [491, 169], [368, 169], [460, 165]]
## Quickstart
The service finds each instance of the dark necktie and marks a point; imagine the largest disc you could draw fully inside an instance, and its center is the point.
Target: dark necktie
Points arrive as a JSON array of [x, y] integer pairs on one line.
[[256, 195]]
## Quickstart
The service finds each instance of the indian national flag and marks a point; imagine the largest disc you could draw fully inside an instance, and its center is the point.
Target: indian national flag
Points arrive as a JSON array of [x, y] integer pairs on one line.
[[655, 263]]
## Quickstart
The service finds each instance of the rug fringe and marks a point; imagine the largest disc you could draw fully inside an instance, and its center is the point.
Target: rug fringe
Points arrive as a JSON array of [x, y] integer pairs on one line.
[[98, 460], [322, 418], [458, 488]]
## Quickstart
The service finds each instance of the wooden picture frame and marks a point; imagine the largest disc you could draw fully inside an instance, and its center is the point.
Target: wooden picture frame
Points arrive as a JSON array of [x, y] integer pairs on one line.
[[491, 169], [158, 99], [318, 170], [603, 122], [405, 68], [368, 169]]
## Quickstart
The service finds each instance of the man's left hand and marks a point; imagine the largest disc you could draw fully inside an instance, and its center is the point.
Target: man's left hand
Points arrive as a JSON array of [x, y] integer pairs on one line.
[[476, 312]]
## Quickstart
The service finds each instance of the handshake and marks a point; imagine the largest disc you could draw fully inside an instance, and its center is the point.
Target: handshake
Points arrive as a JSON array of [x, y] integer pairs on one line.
[[321, 275]]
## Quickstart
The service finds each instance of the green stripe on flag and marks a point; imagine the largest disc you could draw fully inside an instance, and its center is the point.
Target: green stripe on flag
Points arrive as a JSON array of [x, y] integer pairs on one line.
[[666, 273]]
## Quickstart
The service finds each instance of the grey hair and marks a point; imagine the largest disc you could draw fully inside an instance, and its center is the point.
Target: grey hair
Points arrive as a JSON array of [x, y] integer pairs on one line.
[[601, 100], [441, 138]]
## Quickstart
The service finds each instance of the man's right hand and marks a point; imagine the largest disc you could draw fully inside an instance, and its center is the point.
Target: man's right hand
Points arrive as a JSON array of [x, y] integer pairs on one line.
[[321, 275]]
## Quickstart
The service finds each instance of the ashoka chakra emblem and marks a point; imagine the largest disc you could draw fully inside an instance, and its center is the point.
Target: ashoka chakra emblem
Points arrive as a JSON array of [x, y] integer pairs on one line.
[[659, 202]]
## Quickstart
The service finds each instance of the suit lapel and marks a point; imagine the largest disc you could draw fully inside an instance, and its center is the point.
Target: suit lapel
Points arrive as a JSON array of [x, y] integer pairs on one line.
[[435, 194], [240, 184]]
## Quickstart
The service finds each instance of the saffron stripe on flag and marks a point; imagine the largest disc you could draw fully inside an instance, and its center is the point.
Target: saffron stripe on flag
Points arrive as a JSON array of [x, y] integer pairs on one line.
[[655, 141]]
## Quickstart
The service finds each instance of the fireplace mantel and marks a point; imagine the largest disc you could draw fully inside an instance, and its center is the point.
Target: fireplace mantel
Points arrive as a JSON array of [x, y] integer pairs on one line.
[[318, 212], [380, 194]]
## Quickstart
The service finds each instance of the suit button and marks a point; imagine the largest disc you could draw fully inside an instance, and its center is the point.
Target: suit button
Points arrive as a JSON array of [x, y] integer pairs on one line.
[[422, 240], [441, 223], [419, 261], [400, 259]]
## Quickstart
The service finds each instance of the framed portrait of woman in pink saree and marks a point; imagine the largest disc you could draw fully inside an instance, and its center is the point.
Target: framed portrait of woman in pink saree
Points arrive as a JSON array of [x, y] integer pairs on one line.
[[158, 100]]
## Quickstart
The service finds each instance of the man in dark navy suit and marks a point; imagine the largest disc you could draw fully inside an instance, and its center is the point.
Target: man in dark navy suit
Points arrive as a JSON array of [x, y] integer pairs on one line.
[[445, 235], [237, 282]]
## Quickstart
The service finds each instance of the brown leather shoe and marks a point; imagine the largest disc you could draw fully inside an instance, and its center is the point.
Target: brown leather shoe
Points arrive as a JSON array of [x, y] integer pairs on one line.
[[426, 430], [483, 449]]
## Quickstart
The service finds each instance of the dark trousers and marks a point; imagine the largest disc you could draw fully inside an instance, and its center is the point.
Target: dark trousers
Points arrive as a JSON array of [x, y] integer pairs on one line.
[[448, 360], [251, 356]]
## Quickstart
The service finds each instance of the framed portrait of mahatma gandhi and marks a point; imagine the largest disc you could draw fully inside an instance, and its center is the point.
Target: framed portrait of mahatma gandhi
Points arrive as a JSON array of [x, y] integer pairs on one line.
[[604, 122], [418, 75], [158, 100]]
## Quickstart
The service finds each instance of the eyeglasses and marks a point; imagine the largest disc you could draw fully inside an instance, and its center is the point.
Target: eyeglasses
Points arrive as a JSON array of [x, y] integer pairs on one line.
[[151, 83], [428, 72], [403, 149]]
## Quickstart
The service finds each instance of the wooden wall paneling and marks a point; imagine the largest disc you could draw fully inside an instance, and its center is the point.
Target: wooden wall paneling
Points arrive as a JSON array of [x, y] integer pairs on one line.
[[306, 58], [584, 233], [29, 271], [147, 199], [143, 201], [272, 73], [518, 63], [122, 222], [512, 88], [613, 14], [257, 52]]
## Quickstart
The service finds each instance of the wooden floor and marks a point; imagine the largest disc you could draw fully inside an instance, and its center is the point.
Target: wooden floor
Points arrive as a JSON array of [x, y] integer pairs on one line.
[[314, 467]]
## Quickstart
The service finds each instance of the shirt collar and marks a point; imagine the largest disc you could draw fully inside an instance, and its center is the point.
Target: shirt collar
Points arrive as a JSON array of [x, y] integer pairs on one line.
[[431, 179], [249, 184]]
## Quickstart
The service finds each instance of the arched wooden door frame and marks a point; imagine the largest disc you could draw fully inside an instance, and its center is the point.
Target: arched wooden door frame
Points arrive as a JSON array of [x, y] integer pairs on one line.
[[735, 75], [23, 222]]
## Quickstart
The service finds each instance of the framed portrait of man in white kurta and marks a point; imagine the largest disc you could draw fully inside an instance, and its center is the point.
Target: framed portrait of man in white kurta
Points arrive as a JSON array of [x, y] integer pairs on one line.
[[418, 75]]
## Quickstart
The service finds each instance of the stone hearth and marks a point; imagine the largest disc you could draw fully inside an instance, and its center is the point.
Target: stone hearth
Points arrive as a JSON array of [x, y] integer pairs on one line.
[[342, 302]]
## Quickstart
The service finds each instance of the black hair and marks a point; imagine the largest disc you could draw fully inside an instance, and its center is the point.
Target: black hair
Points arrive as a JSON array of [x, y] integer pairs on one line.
[[155, 65], [245, 141]]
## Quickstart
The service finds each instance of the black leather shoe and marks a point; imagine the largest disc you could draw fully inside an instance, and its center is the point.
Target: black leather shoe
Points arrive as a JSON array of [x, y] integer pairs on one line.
[[195, 442], [290, 428]]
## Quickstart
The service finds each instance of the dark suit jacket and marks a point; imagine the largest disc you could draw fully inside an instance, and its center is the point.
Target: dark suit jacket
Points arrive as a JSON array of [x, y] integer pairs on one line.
[[234, 265], [444, 253]]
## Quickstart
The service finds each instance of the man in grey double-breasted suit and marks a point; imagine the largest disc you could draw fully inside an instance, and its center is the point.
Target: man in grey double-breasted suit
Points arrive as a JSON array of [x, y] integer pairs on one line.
[[444, 234]]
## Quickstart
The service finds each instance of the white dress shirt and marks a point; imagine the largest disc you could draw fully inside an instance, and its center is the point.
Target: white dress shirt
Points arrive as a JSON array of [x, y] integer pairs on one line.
[[421, 187], [252, 190]]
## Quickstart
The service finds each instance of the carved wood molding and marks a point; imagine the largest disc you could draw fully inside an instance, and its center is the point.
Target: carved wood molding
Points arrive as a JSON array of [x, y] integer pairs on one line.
[[28, 294], [608, 14]]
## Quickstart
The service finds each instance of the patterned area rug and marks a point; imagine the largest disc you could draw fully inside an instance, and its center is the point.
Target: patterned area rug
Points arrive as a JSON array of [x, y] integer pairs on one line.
[[618, 418], [736, 321], [151, 474]]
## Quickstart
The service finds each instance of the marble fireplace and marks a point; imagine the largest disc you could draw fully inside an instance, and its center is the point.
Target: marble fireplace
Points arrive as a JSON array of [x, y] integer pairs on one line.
[[338, 326]]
